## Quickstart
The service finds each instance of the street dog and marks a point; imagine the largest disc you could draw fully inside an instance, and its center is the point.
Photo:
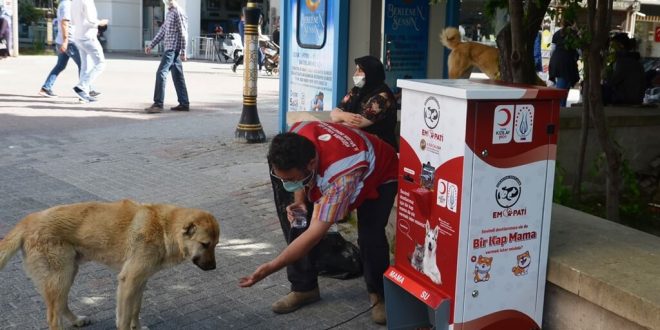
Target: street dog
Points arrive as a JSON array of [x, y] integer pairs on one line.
[[429, 264], [137, 240], [465, 55]]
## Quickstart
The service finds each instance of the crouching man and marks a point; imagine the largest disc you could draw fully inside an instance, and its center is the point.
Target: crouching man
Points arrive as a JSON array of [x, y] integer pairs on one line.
[[339, 169]]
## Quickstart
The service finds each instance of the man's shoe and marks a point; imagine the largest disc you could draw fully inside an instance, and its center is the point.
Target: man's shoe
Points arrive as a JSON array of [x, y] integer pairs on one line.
[[378, 314], [233, 67], [83, 96], [46, 92], [94, 93], [295, 300], [154, 108], [180, 107]]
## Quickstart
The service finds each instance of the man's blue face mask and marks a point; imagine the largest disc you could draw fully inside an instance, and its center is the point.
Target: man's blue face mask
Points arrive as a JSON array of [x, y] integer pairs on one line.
[[293, 186]]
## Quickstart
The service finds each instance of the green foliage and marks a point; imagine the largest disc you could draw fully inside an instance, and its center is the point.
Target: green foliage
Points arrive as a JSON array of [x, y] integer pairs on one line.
[[28, 13], [561, 193], [632, 205], [493, 5]]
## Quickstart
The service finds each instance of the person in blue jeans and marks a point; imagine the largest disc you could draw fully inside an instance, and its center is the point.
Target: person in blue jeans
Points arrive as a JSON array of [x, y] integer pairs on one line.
[[174, 32], [65, 48]]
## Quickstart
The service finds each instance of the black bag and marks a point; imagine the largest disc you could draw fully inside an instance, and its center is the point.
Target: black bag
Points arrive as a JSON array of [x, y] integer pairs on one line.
[[338, 258]]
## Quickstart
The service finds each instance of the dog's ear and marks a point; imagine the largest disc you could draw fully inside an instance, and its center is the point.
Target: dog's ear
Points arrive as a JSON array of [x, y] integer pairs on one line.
[[427, 226], [189, 229]]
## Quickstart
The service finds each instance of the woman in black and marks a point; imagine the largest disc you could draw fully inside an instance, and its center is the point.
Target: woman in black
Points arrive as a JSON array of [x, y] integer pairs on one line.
[[370, 105]]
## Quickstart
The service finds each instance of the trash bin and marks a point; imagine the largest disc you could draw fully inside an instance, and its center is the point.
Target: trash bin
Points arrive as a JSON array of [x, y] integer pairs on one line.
[[476, 173]]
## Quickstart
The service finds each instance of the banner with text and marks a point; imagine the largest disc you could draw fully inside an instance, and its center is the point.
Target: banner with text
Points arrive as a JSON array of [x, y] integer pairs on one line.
[[406, 39]]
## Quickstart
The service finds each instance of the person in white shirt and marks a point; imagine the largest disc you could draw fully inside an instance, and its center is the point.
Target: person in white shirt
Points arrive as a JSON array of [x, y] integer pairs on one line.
[[85, 18]]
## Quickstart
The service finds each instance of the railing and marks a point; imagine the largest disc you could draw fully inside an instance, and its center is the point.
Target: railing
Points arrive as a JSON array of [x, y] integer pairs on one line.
[[204, 48]]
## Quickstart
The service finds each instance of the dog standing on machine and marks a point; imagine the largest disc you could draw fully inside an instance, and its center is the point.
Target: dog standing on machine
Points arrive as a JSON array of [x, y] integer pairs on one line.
[[135, 239], [465, 55]]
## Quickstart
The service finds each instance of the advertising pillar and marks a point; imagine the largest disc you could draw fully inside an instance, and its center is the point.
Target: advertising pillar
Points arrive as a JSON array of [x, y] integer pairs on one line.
[[314, 49], [476, 176]]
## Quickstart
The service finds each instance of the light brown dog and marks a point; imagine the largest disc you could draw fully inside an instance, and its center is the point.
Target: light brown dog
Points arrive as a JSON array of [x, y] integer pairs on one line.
[[465, 55], [135, 239]]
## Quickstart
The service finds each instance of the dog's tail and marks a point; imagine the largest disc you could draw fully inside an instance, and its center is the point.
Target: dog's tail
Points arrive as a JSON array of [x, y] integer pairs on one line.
[[10, 244], [450, 37]]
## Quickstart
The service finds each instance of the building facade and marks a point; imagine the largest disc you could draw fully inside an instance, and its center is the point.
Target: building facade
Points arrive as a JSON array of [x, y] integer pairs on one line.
[[135, 22]]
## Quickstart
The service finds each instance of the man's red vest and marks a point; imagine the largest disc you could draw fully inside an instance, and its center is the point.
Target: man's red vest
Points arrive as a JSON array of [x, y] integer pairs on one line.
[[341, 150]]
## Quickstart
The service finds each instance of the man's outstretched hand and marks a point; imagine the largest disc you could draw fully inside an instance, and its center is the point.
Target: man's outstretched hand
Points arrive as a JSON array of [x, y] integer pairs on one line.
[[258, 275]]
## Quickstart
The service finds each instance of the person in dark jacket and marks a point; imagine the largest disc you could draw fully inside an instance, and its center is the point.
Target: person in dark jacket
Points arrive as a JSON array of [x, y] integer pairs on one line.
[[370, 105], [626, 84], [563, 61]]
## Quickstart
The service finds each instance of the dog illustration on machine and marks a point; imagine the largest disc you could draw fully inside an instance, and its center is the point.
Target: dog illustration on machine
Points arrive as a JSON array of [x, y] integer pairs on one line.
[[429, 263], [423, 257], [482, 269], [524, 260]]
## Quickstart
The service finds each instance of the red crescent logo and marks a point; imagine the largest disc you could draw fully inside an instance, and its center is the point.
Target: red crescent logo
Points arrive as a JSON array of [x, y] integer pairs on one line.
[[508, 117], [442, 187]]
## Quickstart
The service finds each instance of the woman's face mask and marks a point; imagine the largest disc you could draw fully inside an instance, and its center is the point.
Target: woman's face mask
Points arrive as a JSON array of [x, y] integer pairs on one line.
[[359, 81], [359, 77]]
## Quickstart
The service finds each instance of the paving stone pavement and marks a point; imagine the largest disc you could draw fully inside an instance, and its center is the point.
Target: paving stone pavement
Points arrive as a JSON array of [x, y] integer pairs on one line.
[[56, 151]]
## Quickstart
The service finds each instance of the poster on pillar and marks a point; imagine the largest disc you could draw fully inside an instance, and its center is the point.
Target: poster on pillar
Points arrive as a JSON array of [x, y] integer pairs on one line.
[[312, 50], [406, 39]]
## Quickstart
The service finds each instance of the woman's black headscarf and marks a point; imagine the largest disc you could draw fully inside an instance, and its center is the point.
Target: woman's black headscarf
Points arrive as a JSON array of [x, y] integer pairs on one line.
[[374, 72]]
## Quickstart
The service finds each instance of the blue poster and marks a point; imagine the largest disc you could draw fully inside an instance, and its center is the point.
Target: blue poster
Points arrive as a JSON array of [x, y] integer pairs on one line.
[[406, 39], [312, 22], [312, 56]]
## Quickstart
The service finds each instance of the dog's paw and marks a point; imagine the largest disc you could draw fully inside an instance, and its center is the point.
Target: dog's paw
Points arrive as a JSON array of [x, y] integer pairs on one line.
[[82, 321]]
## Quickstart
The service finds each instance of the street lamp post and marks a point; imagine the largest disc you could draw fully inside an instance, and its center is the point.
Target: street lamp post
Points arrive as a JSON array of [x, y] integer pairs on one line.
[[249, 128]]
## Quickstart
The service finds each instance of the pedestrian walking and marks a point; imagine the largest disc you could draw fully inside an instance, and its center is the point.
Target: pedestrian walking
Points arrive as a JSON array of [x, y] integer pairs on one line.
[[6, 43], [64, 47], [339, 169], [174, 32], [84, 17], [241, 31]]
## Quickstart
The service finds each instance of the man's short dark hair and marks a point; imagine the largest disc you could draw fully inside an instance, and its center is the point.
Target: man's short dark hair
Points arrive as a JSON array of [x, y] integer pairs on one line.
[[290, 150]]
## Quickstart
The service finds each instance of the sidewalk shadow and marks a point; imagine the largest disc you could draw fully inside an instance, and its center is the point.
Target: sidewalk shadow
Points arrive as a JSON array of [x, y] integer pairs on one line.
[[82, 108], [28, 96]]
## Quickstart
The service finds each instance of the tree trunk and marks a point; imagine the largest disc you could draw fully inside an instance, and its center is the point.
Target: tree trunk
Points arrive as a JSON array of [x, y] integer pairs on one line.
[[584, 135], [584, 139], [516, 41], [598, 18]]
